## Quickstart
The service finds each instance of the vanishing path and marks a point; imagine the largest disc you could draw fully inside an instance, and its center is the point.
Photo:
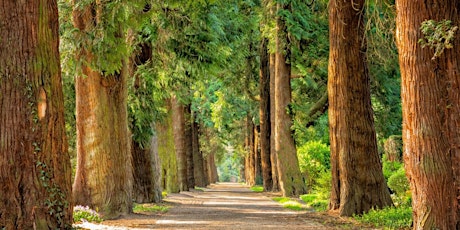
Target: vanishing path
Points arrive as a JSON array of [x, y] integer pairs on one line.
[[221, 206]]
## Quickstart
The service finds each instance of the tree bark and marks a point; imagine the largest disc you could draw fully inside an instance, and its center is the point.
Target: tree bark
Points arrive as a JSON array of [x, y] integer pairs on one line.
[[34, 161], [104, 175], [357, 179], [431, 115], [198, 166], [273, 155], [189, 147], [147, 172], [250, 157], [264, 113], [179, 142], [290, 179], [167, 153]]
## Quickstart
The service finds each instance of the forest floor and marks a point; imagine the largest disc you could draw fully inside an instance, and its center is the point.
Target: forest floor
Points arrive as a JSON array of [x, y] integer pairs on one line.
[[226, 206]]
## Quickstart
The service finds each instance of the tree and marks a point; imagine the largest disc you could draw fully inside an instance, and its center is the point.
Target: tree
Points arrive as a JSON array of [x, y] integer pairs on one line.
[[357, 179], [289, 176], [103, 178], [265, 129], [35, 168], [431, 107], [178, 112]]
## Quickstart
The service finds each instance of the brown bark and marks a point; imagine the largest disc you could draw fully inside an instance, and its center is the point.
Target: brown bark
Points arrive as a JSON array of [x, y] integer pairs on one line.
[[34, 160], [104, 176], [189, 147], [250, 157], [264, 113], [273, 155], [431, 115], [357, 179], [198, 166], [179, 142], [290, 179], [147, 173], [257, 159]]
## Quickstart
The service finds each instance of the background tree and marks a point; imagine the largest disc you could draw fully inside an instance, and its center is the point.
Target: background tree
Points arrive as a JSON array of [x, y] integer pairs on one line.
[[431, 106], [357, 179], [35, 168]]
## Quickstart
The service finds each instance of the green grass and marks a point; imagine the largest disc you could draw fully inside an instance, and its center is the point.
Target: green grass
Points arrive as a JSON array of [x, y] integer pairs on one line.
[[139, 208], [290, 203], [312, 200], [84, 213], [389, 217], [164, 194], [199, 188], [257, 188]]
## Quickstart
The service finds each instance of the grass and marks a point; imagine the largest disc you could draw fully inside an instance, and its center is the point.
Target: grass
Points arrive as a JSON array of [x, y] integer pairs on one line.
[[199, 188], [312, 200], [139, 208], [290, 203], [164, 194], [84, 213], [257, 188], [389, 217]]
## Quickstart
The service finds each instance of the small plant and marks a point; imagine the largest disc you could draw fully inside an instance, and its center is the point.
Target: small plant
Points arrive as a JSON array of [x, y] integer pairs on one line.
[[84, 213], [437, 35], [257, 188], [164, 194], [315, 202], [139, 208], [389, 217]]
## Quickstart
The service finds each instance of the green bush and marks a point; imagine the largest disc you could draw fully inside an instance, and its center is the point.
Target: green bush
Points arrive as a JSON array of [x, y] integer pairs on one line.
[[313, 160], [312, 200], [389, 167], [389, 218], [84, 213]]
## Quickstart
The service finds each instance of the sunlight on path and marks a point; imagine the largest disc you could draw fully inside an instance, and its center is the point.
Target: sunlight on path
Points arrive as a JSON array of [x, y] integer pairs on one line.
[[220, 206]]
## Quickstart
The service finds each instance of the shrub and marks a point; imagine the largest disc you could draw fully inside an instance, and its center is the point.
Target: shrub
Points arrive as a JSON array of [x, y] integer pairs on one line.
[[313, 160], [313, 201], [389, 217], [84, 213]]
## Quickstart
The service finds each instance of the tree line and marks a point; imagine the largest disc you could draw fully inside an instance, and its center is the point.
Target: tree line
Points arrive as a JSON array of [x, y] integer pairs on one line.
[[162, 90]]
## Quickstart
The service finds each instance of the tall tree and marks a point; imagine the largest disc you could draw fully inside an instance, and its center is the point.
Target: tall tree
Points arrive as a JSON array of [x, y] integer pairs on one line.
[[103, 178], [264, 110], [357, 179], [35, 167], [431, 110], [289, 177], [178, 112]]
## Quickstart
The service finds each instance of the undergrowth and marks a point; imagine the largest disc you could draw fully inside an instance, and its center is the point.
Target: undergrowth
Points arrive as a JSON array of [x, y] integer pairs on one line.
[[389, 217], [139, 208], [290, 203], [257, 188]]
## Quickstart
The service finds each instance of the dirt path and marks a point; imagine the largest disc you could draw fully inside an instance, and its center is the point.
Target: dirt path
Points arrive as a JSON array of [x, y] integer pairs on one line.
[[223, 206]]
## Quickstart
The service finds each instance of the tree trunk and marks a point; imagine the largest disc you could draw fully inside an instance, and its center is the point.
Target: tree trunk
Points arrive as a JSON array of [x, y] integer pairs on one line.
[[212, 169], [257, 159], [264, 112], [250, 157], [273, 155], [198, 166], [147, 173], [290, 179], [357, 179], [431, 115], [34, 160], [179, 142], [189, 147], [167, 153]]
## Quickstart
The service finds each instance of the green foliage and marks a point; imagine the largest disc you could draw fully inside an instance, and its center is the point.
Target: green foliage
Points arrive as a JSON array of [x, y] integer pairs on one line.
[[314, 159], [398, 183], [257, 188], [84, 213], [318, 198], [390, 167], [155, 208], [389, 217], [437, 35]]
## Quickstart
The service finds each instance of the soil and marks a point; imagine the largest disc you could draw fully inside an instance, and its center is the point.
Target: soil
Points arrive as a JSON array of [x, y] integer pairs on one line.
[[226, 206]]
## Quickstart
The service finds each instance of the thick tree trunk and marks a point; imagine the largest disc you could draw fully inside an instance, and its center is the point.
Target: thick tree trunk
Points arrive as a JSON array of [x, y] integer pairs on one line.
[[257, 160], [167, 153], [357, 179], [198, 166], [179, 141], [147, 173], [34, 160], [250, 157], [273, 155], [290, 179], [431, 115], [265, 117], [189, 147], [212, 169]]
